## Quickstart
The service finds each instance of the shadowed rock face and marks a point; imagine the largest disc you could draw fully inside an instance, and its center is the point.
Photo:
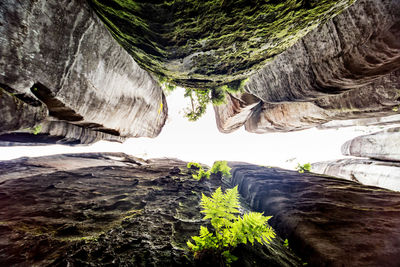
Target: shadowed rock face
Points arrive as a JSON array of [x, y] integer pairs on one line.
[[344, 69], [205, 44], [107, 209], [329, 221], [62, 57]]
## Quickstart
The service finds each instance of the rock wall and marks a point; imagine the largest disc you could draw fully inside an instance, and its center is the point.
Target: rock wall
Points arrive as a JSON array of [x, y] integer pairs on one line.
[[205, 44], [383, 167], [382, 145], [344, 69], [328, 221], [60, 58], [107, 209]]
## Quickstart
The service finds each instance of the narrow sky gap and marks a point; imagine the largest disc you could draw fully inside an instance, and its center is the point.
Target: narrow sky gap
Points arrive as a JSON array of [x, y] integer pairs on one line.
[[202, 142]]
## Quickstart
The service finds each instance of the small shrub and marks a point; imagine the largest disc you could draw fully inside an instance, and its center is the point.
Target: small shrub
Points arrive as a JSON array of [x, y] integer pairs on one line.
[[221, 167], [303, 168], [229, 230]]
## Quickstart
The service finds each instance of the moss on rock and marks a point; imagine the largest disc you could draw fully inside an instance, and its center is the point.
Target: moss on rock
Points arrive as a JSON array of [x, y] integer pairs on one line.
[[206, 44]]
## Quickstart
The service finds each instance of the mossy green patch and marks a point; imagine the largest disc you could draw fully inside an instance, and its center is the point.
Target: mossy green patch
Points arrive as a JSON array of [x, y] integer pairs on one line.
[[207, 44]]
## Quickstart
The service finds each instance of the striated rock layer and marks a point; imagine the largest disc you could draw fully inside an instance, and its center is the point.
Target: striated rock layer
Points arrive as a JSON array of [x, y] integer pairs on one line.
[[344, 69], [365, 171], [382, 145], [383, 167], [329, 221], [107, 209], [58, 58]]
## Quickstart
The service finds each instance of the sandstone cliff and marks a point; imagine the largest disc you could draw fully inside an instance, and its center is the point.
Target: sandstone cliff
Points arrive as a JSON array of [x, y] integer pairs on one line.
[[383, 167], [344, 69], [61, 68]]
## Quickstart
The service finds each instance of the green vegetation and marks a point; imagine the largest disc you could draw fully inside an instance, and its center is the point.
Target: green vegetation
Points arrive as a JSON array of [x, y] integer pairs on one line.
[[229, 229], [221, 167], [36, 130], [218, 168], [207, 44], [286, 243], [303, 168], [210, 47]]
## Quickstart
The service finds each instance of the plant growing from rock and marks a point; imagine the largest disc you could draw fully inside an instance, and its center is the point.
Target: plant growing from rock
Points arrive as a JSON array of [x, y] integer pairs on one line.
[[229, 229], [303, 168], [219, 167]]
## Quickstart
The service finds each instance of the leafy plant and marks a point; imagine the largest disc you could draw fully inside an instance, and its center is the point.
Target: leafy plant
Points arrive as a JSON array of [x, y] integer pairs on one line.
[[229, 229], [200, 98], [303, 168], [219, 167]]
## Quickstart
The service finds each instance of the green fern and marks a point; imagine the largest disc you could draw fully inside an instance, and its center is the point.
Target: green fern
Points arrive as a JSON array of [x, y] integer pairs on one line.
[[230, 230]]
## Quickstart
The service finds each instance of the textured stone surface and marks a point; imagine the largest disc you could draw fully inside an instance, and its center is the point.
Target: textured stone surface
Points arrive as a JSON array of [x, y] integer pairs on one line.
[[345, 69], [107, 209], [365, 171], [329, 221], [235, 112], [393, 120], [61, 54], [204, 44], [351, 50], [382, 145]]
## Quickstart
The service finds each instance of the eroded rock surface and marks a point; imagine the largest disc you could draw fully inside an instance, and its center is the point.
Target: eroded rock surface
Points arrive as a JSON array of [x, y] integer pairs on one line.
[[107, 209], [329, 221], [344, 69], [383, 167], [62, 56], [382, 145], [350, 51], [365, 171], [204, 44]]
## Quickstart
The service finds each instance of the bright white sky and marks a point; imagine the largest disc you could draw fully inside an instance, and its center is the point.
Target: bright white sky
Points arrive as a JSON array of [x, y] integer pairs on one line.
[[202, 142]]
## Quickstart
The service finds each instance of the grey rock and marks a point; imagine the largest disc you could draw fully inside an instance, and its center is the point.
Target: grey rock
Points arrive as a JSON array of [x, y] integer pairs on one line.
[[382, 145], [365, 171], [350, 51], [61, 54], [345, 69]]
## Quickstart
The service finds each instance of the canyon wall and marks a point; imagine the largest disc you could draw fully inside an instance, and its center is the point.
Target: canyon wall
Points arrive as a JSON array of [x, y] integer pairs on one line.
[[61, 69], [344, 69]]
